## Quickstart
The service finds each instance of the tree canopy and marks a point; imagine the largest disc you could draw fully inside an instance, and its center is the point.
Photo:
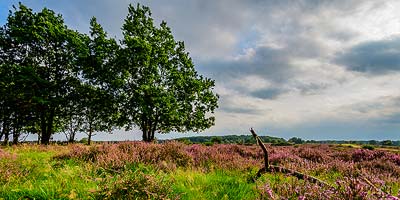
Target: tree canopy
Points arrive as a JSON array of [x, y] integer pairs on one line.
[[162, 90], [55, 79]]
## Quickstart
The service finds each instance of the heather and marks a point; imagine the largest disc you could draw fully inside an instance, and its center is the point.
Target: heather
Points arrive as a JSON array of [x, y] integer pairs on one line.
[[173, 170]]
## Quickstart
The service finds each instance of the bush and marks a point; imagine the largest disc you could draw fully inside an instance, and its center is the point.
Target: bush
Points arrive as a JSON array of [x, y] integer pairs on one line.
[[369, 147], [216, 140], [136, 185]]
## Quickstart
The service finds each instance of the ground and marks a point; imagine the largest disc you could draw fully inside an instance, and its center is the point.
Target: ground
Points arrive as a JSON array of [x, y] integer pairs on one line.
[[136, 170]]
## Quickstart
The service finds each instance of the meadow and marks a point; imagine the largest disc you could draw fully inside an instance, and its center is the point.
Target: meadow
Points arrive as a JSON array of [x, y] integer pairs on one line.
[[174, 170]]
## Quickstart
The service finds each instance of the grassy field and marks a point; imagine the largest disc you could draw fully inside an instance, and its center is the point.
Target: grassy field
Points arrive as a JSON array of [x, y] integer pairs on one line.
[[136, 170]]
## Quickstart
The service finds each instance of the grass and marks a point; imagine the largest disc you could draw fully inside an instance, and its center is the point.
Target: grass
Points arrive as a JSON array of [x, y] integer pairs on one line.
[[38, 176], [213, 185], [217, 172]]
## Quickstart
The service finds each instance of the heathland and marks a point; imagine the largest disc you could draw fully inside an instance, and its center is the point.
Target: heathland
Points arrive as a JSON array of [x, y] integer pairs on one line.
[[174, 170]]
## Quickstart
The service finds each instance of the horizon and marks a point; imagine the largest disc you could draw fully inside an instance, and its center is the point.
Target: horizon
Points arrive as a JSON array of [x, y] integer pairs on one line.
[[318, 71]]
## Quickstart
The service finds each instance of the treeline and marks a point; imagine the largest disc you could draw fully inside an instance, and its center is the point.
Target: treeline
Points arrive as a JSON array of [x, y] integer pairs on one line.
[[248, 139], [359, 142], [232, 139], [57, 80]]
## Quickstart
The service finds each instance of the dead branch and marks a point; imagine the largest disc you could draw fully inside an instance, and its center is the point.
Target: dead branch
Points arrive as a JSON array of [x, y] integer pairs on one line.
[[274, 168], [378, 189]]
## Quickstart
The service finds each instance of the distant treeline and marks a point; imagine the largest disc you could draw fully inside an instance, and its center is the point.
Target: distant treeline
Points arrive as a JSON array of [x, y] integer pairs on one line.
[[232, 139], [248, 139]]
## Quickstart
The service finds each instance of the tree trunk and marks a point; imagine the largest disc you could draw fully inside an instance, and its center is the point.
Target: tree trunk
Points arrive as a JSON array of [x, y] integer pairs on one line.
[[90, 137], [148, 135], [2, 132], [6, 138], [15, 137], [90, 133], [144, 135], [47, 127], [148, 130], [71, 139], [16, 131], [5, 132]]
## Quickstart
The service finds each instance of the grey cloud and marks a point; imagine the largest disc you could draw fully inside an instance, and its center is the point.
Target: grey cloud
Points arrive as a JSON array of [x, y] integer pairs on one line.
[[311, 88], [268, 63], [229, 104], [376, 57], [392, 119], [216, 31], [241, 110], [269, 93]]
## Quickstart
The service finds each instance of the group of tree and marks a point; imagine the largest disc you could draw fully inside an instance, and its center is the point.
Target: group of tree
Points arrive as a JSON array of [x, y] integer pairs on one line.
[[232, 139], [57, 80]]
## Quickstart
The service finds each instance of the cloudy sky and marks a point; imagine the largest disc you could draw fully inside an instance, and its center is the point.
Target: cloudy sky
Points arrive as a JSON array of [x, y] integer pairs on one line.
[[327, 69]]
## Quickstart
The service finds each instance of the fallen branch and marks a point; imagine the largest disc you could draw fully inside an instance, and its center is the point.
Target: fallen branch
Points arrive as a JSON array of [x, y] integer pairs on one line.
[[379, 190], [274, 168]]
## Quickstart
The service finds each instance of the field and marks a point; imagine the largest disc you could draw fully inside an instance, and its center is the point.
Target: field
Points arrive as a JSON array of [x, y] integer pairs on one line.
[[173, 170]]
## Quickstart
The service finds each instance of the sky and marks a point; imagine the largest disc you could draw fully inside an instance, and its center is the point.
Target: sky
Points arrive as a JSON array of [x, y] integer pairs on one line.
[[315, 69]]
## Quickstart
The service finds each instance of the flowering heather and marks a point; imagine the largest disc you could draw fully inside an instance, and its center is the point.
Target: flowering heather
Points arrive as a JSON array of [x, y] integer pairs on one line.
[[6, 155], [353, 173]]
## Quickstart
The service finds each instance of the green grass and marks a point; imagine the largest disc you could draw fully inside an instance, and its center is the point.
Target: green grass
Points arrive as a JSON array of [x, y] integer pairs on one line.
[[37, 172], [213, 185], [37, 175]]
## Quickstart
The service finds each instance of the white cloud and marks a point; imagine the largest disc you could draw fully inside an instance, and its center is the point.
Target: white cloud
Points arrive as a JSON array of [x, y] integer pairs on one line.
[[284, 49]]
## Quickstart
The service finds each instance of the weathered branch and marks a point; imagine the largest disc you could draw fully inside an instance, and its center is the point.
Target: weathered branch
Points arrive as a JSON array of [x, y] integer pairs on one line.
[[264, 149], [378, 189], [274, 168]]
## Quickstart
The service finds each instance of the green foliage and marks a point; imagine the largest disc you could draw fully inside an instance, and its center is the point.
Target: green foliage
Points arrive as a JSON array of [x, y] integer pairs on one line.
[[369, 147], [54, 79], [41, 51], [387, 143], [216, 140], [296, 140], [233, 139], [162, 89]]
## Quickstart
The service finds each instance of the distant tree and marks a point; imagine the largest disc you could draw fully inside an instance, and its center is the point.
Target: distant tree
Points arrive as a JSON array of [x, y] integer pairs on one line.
[[373, 142], [296, 140], [216, 140], [387, 143], [162, 91]]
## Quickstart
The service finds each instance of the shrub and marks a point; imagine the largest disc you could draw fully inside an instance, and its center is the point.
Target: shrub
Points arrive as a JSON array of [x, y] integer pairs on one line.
[[369, 147], [135, 185]]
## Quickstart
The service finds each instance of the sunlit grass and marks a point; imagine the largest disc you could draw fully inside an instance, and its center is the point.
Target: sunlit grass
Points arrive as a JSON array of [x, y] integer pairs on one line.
[[213, 185]]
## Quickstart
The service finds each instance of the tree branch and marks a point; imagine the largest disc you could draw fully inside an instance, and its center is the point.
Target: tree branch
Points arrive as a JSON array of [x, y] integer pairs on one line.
[[274, 168]]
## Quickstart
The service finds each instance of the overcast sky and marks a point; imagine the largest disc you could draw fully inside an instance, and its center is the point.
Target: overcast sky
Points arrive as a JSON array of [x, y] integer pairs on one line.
[[312, 69]]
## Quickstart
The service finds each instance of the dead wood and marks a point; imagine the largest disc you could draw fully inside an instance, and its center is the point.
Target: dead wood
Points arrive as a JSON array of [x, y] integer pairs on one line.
[[273, 168]]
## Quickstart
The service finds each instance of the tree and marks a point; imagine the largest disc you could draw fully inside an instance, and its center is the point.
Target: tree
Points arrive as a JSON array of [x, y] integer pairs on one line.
[[99, 108], [216, 140], [387, 143], [43, 45], [162, 91], [296, 140]]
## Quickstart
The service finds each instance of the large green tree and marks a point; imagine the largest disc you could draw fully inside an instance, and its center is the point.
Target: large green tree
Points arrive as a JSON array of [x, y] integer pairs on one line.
[[99, 93], [162, 90], [41, 45]]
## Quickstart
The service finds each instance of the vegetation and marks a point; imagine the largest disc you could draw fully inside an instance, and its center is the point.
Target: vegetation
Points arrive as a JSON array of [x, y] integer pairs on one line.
[[54, 79], [175, 170], [247, 139], [232, 139], [163, 91]]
